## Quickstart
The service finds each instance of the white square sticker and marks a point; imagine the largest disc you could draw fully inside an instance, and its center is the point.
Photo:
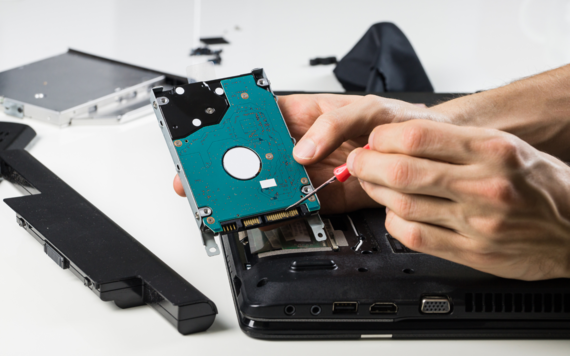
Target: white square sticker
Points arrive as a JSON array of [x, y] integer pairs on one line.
[[268, 183]]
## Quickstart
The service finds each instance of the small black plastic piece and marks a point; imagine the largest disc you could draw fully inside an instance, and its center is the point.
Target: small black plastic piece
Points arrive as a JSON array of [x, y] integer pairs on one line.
[[213, 40], [206, 51], [15, 136], [322, 61], [100, 253]]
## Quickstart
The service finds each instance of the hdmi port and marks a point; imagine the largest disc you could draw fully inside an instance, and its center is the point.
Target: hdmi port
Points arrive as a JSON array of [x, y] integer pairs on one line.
[[345, 307], [383, 308]]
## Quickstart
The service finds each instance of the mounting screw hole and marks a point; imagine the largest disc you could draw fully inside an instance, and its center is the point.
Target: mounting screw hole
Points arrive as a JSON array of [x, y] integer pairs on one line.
[[315, 310], [161, 123], [262, 282], [320, 234], [212, 249], [289, 310], [363, 269], [408, 271], [177, 167]]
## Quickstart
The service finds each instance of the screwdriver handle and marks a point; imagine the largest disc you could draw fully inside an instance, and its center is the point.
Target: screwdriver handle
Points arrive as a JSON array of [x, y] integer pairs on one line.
[[341, 172]]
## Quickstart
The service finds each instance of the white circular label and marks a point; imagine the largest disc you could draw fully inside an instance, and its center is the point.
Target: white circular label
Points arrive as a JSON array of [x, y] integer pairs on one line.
[[179, 90], [196, 122], [219, 91], [242, 163]]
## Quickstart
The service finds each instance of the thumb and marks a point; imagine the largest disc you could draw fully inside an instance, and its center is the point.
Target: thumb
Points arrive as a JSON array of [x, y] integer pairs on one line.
[[334, 127]]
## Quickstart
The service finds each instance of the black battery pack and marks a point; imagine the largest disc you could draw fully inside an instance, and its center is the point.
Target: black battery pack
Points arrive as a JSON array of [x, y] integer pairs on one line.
[[110, 262]]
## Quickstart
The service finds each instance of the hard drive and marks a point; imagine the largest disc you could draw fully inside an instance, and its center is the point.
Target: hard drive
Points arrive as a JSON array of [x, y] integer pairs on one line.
[[233, 152]]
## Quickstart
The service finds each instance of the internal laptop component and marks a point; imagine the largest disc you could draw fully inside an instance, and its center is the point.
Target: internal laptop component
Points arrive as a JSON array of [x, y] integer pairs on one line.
[[233, 153], [295, 237], [80, 89]]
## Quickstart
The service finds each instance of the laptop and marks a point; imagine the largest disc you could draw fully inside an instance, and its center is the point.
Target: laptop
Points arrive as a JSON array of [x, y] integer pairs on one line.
[[371, 286]]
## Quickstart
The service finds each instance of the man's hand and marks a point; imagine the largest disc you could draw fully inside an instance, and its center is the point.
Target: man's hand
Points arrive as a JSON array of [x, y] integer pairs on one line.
[[479, 197]]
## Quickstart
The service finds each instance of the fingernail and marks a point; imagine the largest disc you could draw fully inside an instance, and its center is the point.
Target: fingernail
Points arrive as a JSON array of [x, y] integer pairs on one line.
[[350, 160], [371, 140], [305, 149], [387, 210]]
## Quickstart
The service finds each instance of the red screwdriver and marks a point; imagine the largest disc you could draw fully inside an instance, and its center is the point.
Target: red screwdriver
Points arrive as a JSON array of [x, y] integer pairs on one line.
[[341, 174]]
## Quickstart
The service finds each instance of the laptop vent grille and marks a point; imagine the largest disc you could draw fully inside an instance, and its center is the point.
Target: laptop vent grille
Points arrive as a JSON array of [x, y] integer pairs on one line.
[[517, 303]]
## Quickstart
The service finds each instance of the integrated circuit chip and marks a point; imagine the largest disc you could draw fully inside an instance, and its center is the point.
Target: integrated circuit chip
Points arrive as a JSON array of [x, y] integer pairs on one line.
[[233, 152]]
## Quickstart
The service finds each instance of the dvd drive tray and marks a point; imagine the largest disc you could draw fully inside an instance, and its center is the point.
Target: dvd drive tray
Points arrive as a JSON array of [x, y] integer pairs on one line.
[[79, 88]]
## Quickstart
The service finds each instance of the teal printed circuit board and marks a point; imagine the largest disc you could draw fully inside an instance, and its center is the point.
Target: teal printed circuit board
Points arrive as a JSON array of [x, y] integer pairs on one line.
[[235, 152]]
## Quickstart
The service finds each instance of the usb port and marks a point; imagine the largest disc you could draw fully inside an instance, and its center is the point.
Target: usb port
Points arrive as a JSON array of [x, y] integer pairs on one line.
[[383, 308], [345, 307]]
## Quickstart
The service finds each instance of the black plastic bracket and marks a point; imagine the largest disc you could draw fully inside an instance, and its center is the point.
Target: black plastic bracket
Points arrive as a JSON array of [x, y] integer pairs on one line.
[[109, 261]]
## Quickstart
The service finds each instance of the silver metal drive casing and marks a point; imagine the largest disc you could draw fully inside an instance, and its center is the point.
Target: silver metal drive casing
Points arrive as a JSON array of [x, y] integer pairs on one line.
[[79, 88]]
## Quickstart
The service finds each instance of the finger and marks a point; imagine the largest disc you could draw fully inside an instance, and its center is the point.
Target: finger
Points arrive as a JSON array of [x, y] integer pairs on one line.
[[405, 174], [334, 127], [178, 188], [433, 240], [427, 139], [317, 104], [411, 207], [301, 110]]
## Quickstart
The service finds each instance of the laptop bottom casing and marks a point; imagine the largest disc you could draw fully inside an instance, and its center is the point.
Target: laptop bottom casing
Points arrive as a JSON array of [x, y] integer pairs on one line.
[[383, 290]]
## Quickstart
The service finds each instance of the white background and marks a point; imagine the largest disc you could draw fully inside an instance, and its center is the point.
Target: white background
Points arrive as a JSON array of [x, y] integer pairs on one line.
[[126, 170]]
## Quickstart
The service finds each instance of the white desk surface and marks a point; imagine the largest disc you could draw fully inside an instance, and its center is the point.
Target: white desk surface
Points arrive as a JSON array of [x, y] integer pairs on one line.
[[126, 170]]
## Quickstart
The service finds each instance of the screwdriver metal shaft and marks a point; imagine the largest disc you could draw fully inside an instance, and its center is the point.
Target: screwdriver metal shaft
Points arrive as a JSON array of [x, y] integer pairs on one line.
[[341, 174]]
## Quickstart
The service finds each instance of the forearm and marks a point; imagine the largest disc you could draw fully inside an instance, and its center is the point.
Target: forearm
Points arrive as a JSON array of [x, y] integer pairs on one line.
[[536, 109]]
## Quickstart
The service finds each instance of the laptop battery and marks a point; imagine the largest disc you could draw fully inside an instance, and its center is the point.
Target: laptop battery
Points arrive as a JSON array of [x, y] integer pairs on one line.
[[110, 262]]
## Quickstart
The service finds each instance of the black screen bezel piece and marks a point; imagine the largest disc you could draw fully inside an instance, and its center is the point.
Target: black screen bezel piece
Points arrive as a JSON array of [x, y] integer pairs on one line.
[[109, 261]]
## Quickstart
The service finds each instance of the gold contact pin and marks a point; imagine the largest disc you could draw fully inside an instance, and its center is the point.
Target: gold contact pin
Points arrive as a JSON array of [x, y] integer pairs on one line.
[[282, 215]]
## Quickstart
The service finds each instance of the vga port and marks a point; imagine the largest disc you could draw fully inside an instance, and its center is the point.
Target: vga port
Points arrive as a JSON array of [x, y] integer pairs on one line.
[[435, 305]]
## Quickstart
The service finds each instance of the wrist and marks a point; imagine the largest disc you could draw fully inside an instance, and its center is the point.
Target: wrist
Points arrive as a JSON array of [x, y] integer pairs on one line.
[[478, 109]]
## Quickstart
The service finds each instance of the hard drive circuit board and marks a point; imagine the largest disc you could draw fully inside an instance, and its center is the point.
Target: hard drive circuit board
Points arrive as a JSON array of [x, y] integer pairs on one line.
[[235, 152]]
